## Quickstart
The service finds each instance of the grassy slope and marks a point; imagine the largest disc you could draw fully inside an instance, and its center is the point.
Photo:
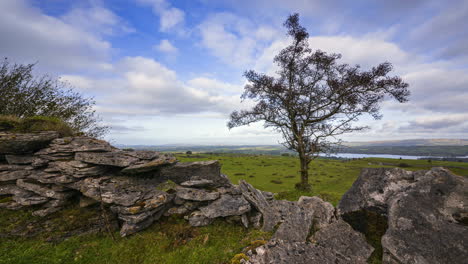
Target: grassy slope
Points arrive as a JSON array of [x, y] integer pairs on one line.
[[172, 240]]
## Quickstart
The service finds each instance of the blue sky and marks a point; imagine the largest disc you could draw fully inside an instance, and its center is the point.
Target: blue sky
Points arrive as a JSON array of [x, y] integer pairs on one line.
[[165, 72]]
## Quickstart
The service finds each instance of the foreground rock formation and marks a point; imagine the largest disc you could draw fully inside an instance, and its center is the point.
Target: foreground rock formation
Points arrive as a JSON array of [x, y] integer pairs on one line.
[[426, 211]]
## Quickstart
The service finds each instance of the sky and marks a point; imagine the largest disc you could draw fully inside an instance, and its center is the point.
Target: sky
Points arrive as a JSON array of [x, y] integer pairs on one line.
[[171, 72]]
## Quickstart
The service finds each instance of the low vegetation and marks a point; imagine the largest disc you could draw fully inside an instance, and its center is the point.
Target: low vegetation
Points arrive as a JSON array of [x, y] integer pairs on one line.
[[35, 124], [172, 240]]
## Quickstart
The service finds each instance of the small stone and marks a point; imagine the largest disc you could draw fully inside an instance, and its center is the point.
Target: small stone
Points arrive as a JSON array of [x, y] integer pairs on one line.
[[196, 194]]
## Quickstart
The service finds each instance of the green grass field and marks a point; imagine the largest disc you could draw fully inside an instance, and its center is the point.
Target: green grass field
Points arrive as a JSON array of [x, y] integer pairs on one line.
[[173, 240]]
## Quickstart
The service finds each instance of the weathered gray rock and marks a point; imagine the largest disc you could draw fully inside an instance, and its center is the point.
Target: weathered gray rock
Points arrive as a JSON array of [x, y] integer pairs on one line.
[[78, 169], [198, 183], [197, 218], [258, 200], [129, 227], [296, 227], [50, 207], [227, 205], [285, 252], [14, 175], [49, 190], [186, 171], [196, 194], [124, 191], [150, 165], [19, 159], [375, 187], [425, 212], [323, 213], [70, 145], [25, 143], [51, 178], [145, 154], [20, 196], [424, 224], [117, 159], [343, 239]]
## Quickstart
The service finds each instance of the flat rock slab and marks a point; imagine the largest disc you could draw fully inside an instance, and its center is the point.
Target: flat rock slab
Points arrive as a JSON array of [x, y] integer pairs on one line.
[[117, 159], [25, 143], [76, 144], [285, 252], [198, 183], [19, 159], [196, 194], [199, 170], [150, 165], [227, 205]]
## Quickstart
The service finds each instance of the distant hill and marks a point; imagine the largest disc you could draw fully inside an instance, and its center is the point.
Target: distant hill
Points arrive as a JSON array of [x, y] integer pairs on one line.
[[411, 142], [416, 147]]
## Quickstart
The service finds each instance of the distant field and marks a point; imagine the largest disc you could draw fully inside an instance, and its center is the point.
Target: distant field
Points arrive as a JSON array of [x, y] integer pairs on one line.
[[438, 151], [172, 240], [330, 178]]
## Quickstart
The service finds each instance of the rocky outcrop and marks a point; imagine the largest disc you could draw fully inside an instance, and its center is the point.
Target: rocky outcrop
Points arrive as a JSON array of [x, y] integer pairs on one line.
[[45, 172], [25, 143], [426, 213]]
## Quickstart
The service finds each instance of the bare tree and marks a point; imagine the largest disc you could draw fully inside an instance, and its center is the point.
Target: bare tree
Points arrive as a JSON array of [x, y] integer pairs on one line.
[[24, 95], [313, 98]]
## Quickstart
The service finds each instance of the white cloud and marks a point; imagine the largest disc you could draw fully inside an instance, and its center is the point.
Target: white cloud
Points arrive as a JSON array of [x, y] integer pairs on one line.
[[143, 86], [170, 18], [166, 47], [97, 19], [234, 40], [30, 36]]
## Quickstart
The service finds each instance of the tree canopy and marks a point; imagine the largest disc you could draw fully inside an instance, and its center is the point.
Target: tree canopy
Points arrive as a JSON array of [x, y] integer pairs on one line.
[[313, 98], [24, 95]]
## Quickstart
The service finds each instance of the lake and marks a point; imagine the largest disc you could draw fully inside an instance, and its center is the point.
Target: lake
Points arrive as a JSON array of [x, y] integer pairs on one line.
[[356, 156]]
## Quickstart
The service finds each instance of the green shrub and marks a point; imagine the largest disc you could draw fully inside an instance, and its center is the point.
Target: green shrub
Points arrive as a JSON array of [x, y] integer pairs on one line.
[[403, 165], [35, 124], [44, 123], [8, 122]]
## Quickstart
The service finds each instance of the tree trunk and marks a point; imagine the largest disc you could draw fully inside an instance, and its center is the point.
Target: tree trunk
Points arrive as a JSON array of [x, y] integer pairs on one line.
[[304, 184]]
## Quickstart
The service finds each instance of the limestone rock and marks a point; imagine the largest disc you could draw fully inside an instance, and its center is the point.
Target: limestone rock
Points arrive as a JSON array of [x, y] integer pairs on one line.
[[426, 212], [323, 213], [186, 171], [341, 237], [285, 252], [19, 159], [117, 159], [75, 144], [198, 183], [50, 207], [14, 175], [374, 188], [197, 218], [227, 205], [296, 226], [145, 154], [258, 200], [78, 169], [150, 165], [196, 194], [25, 143], [49, 190]]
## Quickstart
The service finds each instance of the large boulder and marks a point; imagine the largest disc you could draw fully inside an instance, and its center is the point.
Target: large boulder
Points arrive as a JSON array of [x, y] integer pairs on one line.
[[227, 205], [199, 170], [426, 211], [25, 143]]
